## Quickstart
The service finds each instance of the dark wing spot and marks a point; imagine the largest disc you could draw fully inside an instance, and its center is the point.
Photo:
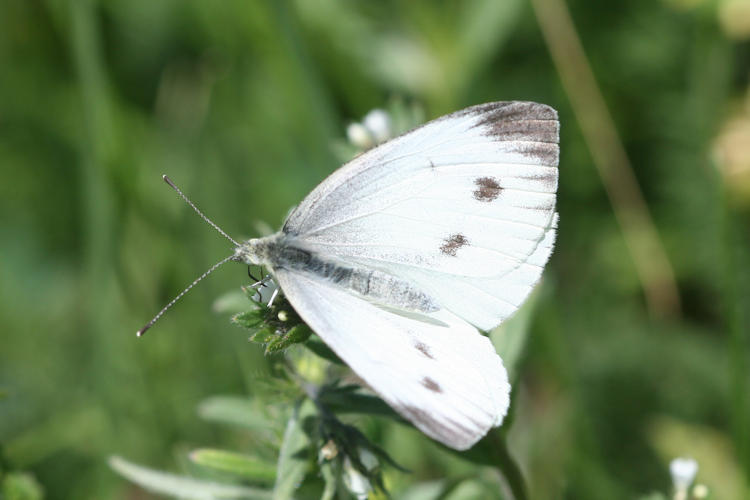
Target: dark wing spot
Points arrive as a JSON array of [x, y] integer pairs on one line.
[[488, 189], [424, 349], [431, 385], [452, 243]]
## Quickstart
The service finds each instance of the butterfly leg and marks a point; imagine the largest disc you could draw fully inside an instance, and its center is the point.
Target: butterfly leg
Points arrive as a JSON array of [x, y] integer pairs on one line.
[[260, 284], [273, 296], [251, 275]]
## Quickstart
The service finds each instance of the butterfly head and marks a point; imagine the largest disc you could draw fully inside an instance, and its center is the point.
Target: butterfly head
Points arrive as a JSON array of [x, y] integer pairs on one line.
[[255, 251]]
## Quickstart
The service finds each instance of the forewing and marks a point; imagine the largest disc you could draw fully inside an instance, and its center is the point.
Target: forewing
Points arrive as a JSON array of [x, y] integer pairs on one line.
[[441, 375], [464, 206]]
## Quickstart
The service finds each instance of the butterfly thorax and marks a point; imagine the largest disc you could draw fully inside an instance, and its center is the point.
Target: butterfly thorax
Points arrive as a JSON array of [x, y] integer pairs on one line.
[[283, 251]]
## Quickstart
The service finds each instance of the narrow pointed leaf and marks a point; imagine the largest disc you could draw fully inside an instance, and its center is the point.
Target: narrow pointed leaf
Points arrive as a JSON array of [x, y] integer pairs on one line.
[[294, 455], [249, 319], [330, 479], [298, 334], [263, 336], [181, 486], [342, 400], [248, 467], [236, 411], [320, 349], [231, 302]]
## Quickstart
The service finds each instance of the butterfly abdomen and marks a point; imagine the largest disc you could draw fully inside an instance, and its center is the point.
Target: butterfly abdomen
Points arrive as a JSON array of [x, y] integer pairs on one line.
[[376, 286]]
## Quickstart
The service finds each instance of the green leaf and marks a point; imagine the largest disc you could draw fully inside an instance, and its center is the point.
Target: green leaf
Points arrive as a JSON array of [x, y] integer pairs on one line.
[[182, 486], [299, 333], [331, 480], [424, 491], [263, 336], [249, 319], [236, 411], [294, 457], [231, 302], [468, 488], [322, 350], [346, 399], [248, 467], [20, 486]]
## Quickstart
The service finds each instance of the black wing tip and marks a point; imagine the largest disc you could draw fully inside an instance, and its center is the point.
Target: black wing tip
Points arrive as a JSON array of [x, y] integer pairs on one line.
[[533, 125], [512, 110], [529, 110]]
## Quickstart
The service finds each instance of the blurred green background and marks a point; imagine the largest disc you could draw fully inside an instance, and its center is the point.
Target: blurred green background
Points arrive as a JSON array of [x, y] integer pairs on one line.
[[242, 102]]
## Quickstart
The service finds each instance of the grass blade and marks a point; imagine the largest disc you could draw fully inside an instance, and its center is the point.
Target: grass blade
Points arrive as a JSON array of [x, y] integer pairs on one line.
[[181, 486], [246, 466]]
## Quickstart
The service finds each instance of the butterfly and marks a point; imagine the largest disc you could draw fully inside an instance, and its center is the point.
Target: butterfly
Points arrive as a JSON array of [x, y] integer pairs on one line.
[[400, 257]]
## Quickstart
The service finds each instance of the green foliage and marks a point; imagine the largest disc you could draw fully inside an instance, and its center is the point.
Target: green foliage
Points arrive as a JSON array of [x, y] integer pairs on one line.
[[245, 106], [20, 486], [315, 446], [294, 456], [234, 410], [277, 327], [182, 486], [244, 466]]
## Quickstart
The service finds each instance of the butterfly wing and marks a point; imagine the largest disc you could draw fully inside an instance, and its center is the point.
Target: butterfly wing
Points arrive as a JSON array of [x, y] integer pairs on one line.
[[463, 207], [442, 375]]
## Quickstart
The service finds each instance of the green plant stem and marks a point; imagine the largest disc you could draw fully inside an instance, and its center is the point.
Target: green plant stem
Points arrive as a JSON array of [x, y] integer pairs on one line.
[[735, 282], [641, 236], [507, 465]]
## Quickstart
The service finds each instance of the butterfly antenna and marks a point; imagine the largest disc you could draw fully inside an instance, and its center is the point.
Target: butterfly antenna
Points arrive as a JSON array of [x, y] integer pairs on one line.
[[187, 200], [186, 290]]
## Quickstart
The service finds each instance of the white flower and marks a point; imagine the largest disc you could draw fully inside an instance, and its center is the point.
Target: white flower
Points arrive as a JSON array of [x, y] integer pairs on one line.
[[700, 491], [378, 123], [369, 460], [683, 472], [374, 129], [359, 136], [355, 482]]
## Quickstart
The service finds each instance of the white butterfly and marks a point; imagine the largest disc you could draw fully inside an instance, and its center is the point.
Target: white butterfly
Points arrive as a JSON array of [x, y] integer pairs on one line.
[[397, 258]]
